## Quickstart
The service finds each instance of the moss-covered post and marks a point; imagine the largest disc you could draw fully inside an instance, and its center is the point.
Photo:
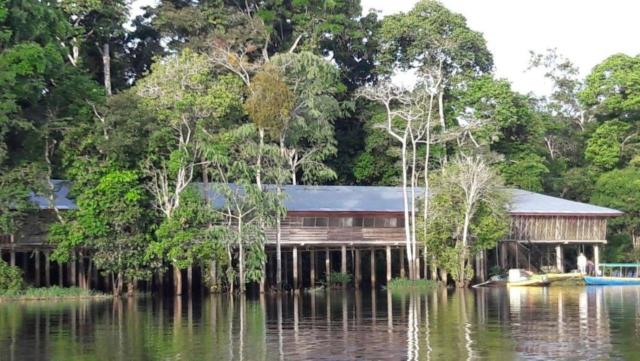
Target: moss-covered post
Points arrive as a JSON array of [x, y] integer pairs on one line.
[[402, 269]]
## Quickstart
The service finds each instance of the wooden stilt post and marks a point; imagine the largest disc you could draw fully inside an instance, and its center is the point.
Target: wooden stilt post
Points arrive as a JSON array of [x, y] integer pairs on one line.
[[596, 258], [177, 281], [358, 270], [373, 267], [388, 263], [12, 258], [425, 265], [190, 279], [343, 260], [82, 279], [402, 270], [312, 268], [37, 267], [559, 259], [300, 278], [327, 264], [295, 267], [503, 254], [60, 274], [47, 269], [72, 270]]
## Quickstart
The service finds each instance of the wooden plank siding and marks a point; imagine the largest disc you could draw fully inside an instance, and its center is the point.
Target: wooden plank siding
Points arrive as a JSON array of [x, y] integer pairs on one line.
[[558, 229], [325, 228]]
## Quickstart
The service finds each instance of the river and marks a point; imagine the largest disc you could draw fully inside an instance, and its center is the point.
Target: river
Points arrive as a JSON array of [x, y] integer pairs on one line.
[[558, 323]]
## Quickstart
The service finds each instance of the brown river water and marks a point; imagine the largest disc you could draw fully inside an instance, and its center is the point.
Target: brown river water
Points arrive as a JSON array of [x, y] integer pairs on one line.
[[558, 323]]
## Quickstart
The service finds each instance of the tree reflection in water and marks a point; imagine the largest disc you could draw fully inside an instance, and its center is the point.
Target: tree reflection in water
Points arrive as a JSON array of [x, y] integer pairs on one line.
[[518, 323]]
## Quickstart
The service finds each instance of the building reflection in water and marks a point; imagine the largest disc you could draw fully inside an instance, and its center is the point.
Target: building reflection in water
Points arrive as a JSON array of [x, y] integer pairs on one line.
[[517, 323]]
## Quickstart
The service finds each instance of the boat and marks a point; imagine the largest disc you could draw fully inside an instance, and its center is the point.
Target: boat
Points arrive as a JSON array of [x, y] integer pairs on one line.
[[615, 274], [524, 278], [531, 281]]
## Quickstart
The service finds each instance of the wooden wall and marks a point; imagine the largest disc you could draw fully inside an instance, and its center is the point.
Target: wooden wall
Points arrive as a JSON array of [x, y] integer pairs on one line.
[[557, 229], [359, 228]]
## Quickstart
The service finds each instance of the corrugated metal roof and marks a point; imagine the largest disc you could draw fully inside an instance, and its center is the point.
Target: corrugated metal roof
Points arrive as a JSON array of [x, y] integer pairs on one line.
[[303, 198], [61, 191], [389, 199], [525, 202]]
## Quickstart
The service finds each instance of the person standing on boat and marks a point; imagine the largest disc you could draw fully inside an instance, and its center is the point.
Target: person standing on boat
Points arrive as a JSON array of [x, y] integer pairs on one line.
[[582, 263], [591, 268]]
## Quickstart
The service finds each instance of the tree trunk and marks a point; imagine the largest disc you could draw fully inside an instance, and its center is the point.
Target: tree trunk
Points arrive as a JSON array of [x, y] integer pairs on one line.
[[177, 280], [461, 281], [106, 66], [213, 275], [278, 254], [131, 288], [405, 200], [241, 276]]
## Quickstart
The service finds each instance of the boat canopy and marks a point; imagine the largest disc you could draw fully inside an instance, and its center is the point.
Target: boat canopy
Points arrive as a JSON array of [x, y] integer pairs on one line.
[[619, 265]]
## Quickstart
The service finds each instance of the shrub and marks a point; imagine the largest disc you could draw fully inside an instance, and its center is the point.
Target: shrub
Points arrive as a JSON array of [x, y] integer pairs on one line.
[[10, 277], [338, 279], [52, 292], [404, 284]]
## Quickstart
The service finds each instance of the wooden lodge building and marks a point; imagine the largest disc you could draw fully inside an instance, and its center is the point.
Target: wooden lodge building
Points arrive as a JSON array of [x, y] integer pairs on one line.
[[356, 230]]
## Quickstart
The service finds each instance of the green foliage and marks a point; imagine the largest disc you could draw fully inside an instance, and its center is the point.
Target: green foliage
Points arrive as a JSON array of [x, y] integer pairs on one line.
[[338, 279], [449, 206], [10, 278], [429, 37], [604, 148], [111, 222], [526, 171], [402, 285], [612, 88], [48, 293], [620, 189], [187, 237]]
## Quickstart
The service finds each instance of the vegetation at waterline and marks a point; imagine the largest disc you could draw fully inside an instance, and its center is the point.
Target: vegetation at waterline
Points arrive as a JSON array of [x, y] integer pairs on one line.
[[407, 285], [338, 279], [289, 93], [12, 287], [50, 293], [10, 278]]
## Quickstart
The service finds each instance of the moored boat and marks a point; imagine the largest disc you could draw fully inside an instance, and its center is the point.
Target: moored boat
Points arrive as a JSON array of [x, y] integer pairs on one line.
[[615, 274], [524, 278]]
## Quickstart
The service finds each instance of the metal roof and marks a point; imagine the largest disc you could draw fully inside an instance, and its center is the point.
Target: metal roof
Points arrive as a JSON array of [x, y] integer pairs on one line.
[[61, 192], [530, 203], [303, 198]]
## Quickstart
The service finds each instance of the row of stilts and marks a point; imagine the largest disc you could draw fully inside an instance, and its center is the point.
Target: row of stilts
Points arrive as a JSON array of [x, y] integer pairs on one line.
[[301, 267]]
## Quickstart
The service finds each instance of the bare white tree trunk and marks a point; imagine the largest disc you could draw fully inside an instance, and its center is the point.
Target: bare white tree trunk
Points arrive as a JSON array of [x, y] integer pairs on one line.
[[106, 66]]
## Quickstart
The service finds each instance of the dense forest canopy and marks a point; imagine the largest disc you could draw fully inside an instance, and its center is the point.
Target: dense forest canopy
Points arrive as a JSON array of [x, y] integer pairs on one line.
[[134, 111]]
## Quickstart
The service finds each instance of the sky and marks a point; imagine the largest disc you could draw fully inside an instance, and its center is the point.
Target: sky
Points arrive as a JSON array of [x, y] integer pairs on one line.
[[585, 31]]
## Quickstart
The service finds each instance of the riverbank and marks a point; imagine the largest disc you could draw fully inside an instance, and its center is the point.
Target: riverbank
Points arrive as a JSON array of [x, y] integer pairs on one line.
[[51, 293]]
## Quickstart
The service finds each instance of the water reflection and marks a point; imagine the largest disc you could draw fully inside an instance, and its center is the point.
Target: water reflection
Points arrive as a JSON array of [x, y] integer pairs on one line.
[[518, 323]]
